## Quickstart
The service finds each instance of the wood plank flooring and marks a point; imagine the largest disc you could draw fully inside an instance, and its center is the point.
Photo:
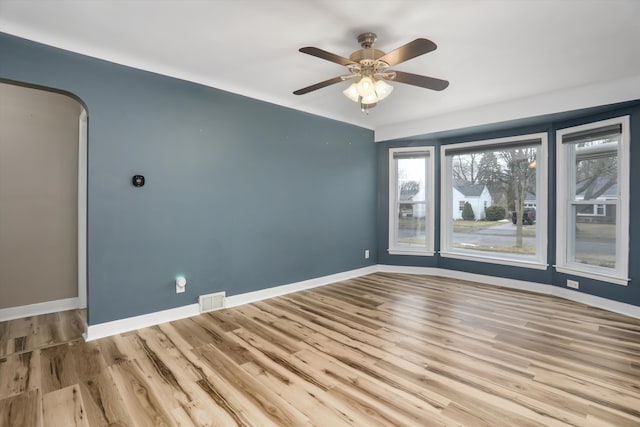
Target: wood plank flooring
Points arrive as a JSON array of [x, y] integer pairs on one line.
[[380, 350], [37, 332]]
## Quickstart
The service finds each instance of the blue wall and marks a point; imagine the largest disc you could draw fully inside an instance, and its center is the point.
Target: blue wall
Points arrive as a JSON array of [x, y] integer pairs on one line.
[[629, 294], [240, 195], [243, 195]]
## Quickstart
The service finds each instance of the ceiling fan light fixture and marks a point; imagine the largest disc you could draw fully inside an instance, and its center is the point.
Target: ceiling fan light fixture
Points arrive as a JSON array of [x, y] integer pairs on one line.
[[366, 86], [366, 107], [352, 92], [372, 98], [383, 89]]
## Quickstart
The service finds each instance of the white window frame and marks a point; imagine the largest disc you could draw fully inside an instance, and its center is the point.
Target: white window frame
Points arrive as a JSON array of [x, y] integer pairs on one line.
[[446, 202], [399, 249], [566, 178]]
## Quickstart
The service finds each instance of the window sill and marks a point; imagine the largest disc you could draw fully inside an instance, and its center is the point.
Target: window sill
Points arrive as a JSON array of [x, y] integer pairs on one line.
[[593, 275], [409, 252], [494, 260]]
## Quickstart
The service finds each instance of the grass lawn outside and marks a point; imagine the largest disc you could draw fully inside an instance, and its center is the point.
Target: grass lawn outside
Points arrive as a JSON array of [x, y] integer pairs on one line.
[[502, 249], [586, 230], [413, 241], [599, 260], [462, 226]]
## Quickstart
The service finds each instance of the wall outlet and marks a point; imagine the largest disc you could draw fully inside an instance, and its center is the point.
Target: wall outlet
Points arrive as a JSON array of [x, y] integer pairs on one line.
[[181, 284], [366, 254], [573, 284]]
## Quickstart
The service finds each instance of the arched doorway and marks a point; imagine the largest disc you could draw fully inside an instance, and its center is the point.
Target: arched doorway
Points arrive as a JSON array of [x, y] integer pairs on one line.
[[43, 163]]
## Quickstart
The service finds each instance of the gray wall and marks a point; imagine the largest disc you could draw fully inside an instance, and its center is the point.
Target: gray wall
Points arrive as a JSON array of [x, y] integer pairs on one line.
[[241, 195], [38, 196], [629, 294]]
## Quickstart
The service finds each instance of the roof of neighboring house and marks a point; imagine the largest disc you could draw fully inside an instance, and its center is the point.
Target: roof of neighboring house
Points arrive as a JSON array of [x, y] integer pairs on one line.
[[408, 190], [603, 186], [469, 190]]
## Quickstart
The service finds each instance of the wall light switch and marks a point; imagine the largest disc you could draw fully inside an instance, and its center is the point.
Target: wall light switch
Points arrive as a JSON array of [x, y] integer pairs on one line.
[[366, 254]]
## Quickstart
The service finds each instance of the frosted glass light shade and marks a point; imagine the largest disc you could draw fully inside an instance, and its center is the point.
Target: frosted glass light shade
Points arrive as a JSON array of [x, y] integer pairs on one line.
[[365, 86], [368, 91], [369, 99], [352, 92], [383, 89]]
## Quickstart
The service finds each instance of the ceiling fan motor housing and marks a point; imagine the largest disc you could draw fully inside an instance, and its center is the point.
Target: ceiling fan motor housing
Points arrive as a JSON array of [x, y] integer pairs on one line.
[[366, 54], [367, 40]]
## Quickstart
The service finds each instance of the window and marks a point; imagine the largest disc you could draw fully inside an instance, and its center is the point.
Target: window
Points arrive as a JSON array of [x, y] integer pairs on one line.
[[410, 201], [509, 173], [593, 197]]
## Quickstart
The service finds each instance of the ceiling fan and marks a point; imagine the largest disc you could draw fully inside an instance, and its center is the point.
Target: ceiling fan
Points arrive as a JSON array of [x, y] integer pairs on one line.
[[369, 68]]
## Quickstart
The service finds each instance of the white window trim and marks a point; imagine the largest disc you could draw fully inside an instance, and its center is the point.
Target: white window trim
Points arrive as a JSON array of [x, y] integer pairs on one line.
[[565, 173], [430, 212], [446, 201]]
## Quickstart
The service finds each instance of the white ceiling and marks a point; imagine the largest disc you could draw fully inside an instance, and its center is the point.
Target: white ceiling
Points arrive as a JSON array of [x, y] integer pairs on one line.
[[492, 51]]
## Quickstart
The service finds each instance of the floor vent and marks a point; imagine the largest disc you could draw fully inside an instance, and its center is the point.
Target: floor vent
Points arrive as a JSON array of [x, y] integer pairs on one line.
[[211, 302]]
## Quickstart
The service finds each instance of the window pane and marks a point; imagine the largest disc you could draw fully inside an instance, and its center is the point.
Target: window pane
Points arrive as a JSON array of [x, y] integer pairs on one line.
[[412, 229], [504, 177], [411, 180], [596, 172], [595, 237], [410, 218]]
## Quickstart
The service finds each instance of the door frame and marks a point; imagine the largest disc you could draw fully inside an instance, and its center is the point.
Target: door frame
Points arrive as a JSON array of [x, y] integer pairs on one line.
[[82, 209]]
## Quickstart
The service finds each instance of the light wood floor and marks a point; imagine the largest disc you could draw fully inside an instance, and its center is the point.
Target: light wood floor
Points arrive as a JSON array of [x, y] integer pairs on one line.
[[38, 332], [385, 349]]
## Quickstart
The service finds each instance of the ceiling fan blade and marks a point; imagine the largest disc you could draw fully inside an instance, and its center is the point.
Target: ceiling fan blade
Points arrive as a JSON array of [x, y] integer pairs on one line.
[[408, 51], [318, 85], [422, 81], [314, 51]]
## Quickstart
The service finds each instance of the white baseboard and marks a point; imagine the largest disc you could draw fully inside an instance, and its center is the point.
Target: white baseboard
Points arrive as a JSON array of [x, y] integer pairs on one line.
[[581, 297], [39, 308], [120, 326], [423, 271], [106, 329], [262, 294]]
